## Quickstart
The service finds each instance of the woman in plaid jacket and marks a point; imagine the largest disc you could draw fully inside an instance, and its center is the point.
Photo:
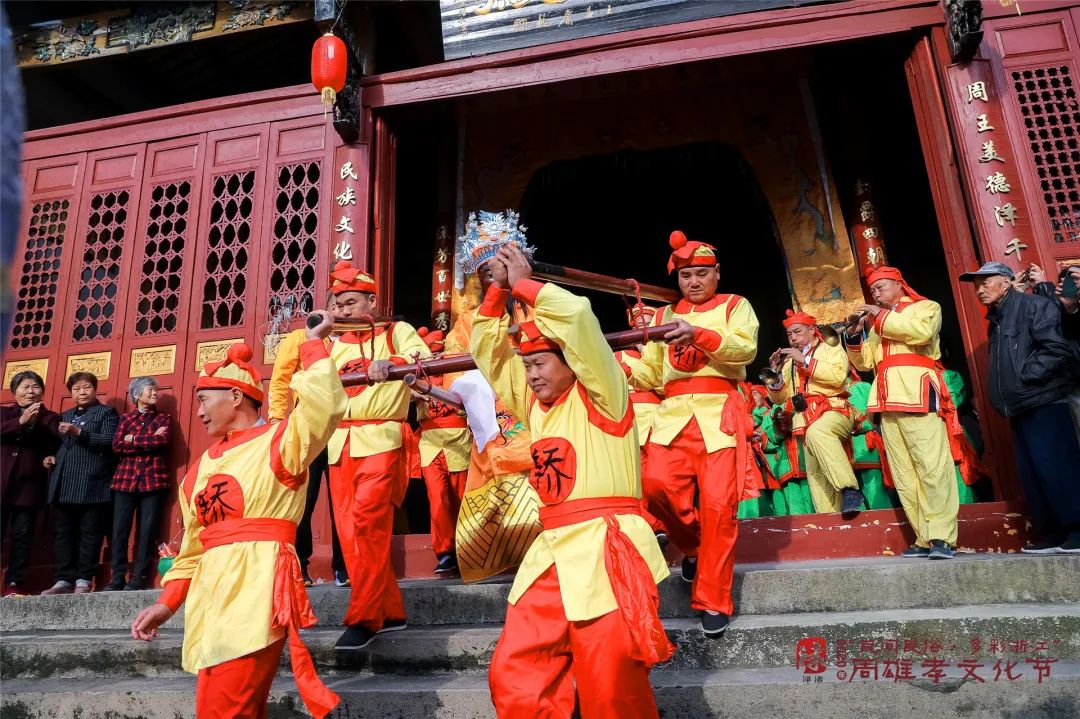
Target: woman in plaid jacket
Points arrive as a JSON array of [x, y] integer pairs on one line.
[[140, 485]]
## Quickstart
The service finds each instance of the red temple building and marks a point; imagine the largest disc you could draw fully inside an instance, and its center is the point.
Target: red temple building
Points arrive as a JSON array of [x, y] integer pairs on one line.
[[186, 189]]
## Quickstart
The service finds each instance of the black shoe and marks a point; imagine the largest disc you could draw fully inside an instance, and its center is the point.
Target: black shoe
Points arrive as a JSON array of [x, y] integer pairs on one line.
[[662, 540], [1047, 546], [447, 564], [393, 625], [308, 581], [916, 551], [940, 550], [116, 585], [134, 586], [713, 625], [341, 579], [689, 568], [355, 637], [851, 501]]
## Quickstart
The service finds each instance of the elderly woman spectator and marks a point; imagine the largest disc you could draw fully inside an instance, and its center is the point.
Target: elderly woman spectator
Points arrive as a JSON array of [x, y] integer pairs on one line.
[[28, 434], [139, 485], [79, 485]]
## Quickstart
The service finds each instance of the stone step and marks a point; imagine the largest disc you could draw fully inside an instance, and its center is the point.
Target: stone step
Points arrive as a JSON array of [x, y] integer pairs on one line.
[[780, 588], [752, 641], [679, 695]]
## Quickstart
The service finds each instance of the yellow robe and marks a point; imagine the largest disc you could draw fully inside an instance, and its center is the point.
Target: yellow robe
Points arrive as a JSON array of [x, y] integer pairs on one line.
[[827, 375], [725, 342], [254, 473], [387, 401], [910, 328], [589, 430]]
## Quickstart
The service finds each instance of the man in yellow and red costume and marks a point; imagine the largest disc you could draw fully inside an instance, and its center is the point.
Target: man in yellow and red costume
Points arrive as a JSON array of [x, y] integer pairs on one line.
[[813, 377], [700, 441], [367, 472], [584, 604], [237, 568], [445, 447], [899, 338]]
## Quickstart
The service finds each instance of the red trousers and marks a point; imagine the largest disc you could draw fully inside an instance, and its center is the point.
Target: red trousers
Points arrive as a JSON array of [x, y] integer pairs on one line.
[[670, 478], [361, 488], [238, 689], [444, 490], [541, 656]]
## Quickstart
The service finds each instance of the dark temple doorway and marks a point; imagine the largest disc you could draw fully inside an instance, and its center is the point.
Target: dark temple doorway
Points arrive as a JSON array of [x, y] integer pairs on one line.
[[613, 213]]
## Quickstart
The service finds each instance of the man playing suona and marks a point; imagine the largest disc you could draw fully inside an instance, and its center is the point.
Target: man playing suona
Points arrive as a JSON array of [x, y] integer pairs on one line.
[[367, 479], [584, 603], [237, 568], [699, 444], [899, 338], [811, 384]]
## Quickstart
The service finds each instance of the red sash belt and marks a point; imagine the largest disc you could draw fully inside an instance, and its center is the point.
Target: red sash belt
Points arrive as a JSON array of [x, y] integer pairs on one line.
[[291, 607], [364, 422], [637, 397], [700, 385], [631, 580], [906, 359], [452, 421]]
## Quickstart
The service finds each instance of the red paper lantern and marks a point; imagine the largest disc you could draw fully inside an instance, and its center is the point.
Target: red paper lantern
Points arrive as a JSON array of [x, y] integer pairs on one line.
[[328, 65]]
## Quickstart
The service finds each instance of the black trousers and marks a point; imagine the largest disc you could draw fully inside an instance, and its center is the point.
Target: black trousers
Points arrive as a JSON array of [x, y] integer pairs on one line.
[[17, 526], [80, 529], [148, 507], [319, 469], [1048, 454]]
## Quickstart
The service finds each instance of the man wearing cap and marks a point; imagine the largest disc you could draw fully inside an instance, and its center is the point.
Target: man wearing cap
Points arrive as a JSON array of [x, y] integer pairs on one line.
[[811, 384], [445, 446], [898, 338], [237, 568], [366, 458], [584, 603], [1029, 384], [700, 441]]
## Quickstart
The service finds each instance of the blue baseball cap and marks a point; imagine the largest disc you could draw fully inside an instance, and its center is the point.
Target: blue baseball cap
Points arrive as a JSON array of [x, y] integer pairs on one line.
[[988, 270]]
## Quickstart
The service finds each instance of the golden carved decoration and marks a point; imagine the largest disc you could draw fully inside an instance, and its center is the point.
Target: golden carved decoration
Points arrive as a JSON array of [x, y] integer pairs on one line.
[[270, 345], [12, 368], [96, 363], [150, 361], [212, 351]]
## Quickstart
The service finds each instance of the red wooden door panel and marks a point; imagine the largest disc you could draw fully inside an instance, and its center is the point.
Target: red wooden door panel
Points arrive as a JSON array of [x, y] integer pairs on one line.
[[295, 244], [1037, 73], [40, 267], [226, 262], [93, 328]]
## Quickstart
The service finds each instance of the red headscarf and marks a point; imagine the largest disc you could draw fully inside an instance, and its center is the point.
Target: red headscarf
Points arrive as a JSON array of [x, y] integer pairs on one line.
[[799, 318], [529, 339], [891, 273], [346, 278]]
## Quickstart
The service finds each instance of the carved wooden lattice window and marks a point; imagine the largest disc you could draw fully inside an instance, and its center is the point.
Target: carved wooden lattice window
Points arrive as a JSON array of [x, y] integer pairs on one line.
[[1047, 100], [163, 257], [100, 276], [40, 274], [292, 278], [227, 256]]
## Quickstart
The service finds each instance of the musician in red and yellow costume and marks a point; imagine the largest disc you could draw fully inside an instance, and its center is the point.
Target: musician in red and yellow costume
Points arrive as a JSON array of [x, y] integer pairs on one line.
[[814, 375], [899, 338], [700, 441], [237, 568], [584, 604], [367, 473], [445, 447]]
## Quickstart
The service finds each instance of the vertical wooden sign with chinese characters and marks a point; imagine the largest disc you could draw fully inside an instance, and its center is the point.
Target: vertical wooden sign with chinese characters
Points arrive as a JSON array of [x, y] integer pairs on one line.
[[349, 215], [866, 230], [442, 278], [1002, 219]]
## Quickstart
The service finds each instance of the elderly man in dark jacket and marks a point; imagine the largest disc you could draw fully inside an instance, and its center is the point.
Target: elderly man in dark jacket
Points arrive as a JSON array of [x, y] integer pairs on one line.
[[1069, 304], [1030, 368], [79, 486]]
